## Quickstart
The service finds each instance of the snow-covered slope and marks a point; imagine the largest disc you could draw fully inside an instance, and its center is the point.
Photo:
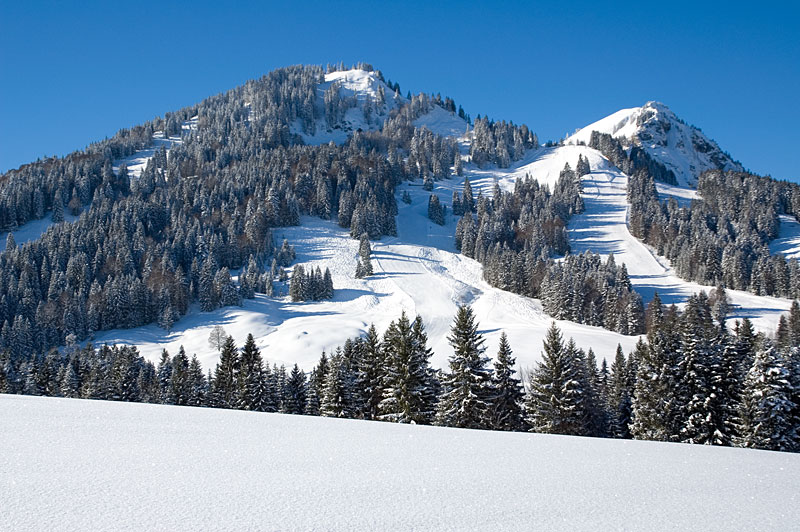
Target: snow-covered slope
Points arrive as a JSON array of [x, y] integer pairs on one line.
[[602, 228], [682, 148], [95, 465], [364, 87], [420, 271], [137, 162], [788, 241]]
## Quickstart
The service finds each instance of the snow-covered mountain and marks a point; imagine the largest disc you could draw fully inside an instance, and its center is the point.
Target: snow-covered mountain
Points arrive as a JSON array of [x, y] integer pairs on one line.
[[682, 148], [420, 270]]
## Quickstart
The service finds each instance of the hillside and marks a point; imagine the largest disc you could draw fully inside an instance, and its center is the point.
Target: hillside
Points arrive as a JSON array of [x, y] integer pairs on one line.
[[91, 465], [235, 163]]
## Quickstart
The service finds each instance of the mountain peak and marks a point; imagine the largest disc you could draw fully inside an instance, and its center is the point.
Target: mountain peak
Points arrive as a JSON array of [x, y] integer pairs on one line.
[[682, 148]]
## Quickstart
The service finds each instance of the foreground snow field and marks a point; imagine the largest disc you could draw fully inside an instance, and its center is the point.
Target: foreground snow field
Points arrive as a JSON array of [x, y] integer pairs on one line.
[[94, 465]]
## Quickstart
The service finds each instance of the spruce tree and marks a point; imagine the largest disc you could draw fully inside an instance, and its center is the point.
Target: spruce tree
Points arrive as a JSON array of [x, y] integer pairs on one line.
[[224, 387], [296, 392], [766, 408], [507, 396], [251, 385], [619, 400], [467, 398], [369, 369], [408, 395], [556, 402]]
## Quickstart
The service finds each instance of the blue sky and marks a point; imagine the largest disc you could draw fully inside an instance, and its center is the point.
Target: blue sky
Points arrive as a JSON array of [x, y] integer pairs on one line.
[[72, 74]]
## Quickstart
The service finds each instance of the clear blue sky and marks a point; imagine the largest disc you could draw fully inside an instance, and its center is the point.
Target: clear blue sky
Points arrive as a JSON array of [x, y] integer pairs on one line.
[[72, 73]]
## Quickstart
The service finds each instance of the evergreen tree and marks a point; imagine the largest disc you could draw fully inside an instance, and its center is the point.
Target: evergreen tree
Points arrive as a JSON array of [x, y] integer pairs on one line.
[[506, 410], [251, 385], [765, 412], [370, 376], [619, 400], [467, 398], [224, 386], [555, 402], [408, 395], [296, 392]]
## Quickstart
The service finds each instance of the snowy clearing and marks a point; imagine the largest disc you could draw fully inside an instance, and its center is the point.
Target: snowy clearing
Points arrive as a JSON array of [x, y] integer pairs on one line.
[[34, 229], [137, 162], [96, 465], [788, 241]]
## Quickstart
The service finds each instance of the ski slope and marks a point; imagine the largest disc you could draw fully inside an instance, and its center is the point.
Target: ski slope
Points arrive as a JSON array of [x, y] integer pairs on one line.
[[96, 465], [602, 228], [788, 241]]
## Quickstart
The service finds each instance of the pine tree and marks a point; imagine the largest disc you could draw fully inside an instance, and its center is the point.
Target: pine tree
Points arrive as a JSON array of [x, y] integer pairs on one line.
[[251, 385], [224, 387], [408, 395], [370, 373], [765, 412], [655, 404], [296, 392], [467, 397], [198, 385], [619, 400], [336, 393], [507, 397], [555, 402]]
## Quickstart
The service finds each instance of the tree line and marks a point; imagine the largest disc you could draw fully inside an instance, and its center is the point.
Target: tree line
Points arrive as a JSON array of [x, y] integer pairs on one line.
[[692, 380]]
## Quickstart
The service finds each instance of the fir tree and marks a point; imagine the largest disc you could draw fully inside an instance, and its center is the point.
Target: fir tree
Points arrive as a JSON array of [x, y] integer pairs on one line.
[[224, 386], [765, 412], [466, 401], [407, 389], [555, 402], [506, 411]]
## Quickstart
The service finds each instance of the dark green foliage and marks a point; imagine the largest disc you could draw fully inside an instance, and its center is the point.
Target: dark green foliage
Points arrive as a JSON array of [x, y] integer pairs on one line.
[[467, 398], [556, 402], [505, 412], [407, 381]]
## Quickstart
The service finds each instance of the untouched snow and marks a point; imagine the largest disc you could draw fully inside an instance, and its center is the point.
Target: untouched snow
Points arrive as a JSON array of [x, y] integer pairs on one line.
[[96, 465], [34, 229], [788, 241], [682, 148], [442, 122]]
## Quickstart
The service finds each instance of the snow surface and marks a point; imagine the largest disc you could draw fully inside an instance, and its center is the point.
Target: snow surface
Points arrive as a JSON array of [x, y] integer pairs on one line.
[[98, 465], [682, 148], [788, 241], [137, 162], [34, 229]]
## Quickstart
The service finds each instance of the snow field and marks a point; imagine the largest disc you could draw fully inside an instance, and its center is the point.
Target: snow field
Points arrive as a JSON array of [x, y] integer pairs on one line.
[[95, 465]]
